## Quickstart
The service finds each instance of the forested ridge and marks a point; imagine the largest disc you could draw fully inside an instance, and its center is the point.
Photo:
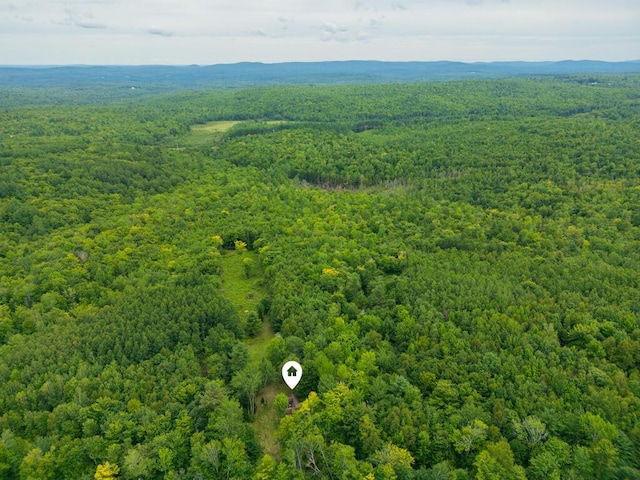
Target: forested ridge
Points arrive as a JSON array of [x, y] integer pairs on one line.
[[80, 83], [456, 266]]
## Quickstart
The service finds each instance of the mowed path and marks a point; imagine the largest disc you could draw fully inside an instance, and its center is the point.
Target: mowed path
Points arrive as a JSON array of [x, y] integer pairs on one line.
[[245, 294]]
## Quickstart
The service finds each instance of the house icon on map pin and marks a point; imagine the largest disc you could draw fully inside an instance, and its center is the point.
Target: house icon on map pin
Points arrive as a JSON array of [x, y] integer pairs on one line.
[[291, 374]]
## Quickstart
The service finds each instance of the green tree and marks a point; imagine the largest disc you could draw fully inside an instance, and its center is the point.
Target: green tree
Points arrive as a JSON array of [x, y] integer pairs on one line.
[[496, 463], [551, 461], [605, 457], [248, 267], [596, 428], [393, 460], [470, 437], [236, 465], [137, 463], [281, 403], [206, 457], [247, 383], [226, 421], [5, 460], [253, 324], [370, 436], [38, 466], [531, 431], [265, 469], [165, 459], [266, 371], [277, 352]]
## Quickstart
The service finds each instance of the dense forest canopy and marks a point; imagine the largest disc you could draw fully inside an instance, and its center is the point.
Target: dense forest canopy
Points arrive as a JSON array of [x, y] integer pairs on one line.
[[456, 265]]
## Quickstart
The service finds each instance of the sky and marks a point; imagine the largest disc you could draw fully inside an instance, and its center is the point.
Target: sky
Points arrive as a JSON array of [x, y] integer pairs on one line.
[[206, 32]]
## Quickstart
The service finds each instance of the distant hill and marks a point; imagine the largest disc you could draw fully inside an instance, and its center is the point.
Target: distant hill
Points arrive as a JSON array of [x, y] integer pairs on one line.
[[250, 74]]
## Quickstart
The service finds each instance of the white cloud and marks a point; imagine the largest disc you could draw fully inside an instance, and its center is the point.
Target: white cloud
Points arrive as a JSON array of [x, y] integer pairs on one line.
[[211, 31]]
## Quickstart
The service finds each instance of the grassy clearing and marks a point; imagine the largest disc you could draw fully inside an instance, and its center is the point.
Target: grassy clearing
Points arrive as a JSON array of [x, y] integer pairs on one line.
[[212, 132], [266, 419], [245, 293], [206, 133], [258, 344], [214, 127]]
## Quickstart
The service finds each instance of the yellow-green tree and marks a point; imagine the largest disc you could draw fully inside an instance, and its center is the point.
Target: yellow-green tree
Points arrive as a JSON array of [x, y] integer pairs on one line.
[[107, 471], [217, 241], [392, 462], [241, 246], [266, 468], [248, 266]]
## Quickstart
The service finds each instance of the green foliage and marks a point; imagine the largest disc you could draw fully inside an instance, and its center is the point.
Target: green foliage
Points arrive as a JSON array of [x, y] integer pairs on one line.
[[496, 462], [265, 469], [281, 402], [247, 383], [393, 461], [530, 431], [470, 437], [453, 264], [551, 461], [240, 246]]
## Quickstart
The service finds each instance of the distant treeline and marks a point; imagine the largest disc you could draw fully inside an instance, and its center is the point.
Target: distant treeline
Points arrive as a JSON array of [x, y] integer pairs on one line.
[[100, 83]]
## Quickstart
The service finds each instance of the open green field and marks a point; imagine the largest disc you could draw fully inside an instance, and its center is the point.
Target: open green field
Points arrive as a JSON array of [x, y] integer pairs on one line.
[[214, 127], [207, 133], [211, 133]]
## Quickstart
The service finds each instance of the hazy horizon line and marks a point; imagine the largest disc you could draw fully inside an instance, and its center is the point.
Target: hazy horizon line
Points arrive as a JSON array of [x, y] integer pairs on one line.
[[478, 62]]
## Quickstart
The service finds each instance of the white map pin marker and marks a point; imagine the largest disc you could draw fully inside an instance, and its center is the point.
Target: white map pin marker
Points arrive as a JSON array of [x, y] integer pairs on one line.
[[291, 373]]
